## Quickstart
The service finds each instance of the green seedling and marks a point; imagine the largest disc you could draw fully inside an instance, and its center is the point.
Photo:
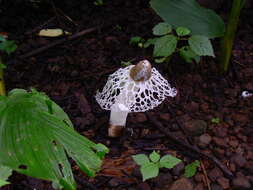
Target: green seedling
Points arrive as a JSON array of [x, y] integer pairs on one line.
[[149, 166], [98, 2], [215, 120], [137, 40], [191, 169], [166, 43], [8, 46]]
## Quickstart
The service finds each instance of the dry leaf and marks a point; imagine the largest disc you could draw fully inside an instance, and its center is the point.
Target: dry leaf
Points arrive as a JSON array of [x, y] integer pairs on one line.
[[52, 32]]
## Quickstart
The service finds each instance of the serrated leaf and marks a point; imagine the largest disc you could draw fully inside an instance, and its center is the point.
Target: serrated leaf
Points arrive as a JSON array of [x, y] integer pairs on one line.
[[191, 169], [150, 42], [169, 161], [149, 170], [162, 28], [189, 14], [154, 156], [201, 45], [188, 55], [36, 139], [141, 159], [165, 46], [5, 173], [182, 31], [8, 46]]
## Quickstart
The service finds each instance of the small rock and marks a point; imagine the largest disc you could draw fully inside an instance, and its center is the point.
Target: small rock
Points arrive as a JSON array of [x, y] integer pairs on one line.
[[221, 132], [115, 182], [178, 169], [181, 184], [224, 182], [220, 142], [164, 116], [163, 180], [215, 186], [241, 183], [140, 117], [204, 140], [238, 159], [200, 186], [215, 173], [195, 127], [233, 143], [143, 186]]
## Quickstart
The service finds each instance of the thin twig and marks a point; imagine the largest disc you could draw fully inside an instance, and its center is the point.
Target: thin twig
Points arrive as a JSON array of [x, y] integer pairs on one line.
[[57, 42], [160, 126], [205, 175]]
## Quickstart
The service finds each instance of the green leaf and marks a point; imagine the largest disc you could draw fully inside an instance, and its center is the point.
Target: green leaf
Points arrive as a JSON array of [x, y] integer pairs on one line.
[[8, 46], [162, 28], [160, 60], [188, 55], [2, 38], [201, 45], [169, 161], [189, 14], [182, 31], [154, 156], [141, 159], [165, 46], [149, 170], [135, 40], [5, 172], [215, 120], [2, 66], [101, 150], [37, 137], [191, 169], [150, 42]]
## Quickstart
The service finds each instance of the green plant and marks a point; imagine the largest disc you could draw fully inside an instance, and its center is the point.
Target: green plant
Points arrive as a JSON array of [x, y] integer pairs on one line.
[[149, 166], [5, 172], [166, 42], [215, 120], [189, 14], [37, 137], [228, 39], [137, 40], [191, 169], [98, 2]]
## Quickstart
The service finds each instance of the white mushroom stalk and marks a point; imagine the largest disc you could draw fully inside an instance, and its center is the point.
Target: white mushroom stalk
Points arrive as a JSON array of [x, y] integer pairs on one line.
[[136, 88]]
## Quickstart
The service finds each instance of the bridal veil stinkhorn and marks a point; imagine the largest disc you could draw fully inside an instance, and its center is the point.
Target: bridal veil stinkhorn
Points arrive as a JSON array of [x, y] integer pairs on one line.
[[136, 88]]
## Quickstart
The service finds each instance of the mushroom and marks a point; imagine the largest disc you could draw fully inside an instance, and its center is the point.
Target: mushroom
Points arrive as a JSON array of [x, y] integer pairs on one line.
[[135, 88]]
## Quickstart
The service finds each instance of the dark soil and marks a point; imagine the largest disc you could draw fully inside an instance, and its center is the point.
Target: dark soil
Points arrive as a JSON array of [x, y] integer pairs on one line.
[[71, 73]]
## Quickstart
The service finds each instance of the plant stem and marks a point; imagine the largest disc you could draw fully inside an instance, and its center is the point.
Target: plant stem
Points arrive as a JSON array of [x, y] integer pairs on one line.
[[228, 39], [2, 84]]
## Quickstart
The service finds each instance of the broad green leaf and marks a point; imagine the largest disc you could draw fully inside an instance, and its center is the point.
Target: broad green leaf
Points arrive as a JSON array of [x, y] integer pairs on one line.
[[160, 60], [154, 156], [165, 46], [188, 55], [215, 120], [5, 172], [3, 183], [149, 170], [191, 169], [141, 159], [150, 42], [8, 46], [37, 137], [169, 161], [189, 14], [201, 45], [162, 28], [182, 31]]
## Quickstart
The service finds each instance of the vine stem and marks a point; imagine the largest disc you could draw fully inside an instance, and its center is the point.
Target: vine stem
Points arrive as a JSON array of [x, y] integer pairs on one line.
[[2, 84]]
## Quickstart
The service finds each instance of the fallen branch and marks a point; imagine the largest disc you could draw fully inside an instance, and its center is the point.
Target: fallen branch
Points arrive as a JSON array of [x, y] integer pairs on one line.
[[200, 154], [205, 175], [57, 42]]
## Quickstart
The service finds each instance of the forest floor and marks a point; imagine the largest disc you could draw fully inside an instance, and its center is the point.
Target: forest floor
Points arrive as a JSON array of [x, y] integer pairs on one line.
[[71, 72]]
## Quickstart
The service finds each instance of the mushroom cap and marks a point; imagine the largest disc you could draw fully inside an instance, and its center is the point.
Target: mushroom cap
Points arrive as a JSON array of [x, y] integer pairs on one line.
[[136, 96]]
